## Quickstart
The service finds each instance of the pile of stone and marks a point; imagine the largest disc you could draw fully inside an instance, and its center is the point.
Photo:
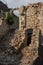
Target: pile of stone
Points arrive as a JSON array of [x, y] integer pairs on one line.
[[18, 39]]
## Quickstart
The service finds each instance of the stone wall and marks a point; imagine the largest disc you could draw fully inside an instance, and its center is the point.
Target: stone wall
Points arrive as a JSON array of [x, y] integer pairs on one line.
[[33, 14], [31, 17], [3, 25]]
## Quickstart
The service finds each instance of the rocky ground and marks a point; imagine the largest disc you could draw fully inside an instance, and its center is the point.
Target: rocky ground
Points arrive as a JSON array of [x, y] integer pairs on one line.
[[9, 56]]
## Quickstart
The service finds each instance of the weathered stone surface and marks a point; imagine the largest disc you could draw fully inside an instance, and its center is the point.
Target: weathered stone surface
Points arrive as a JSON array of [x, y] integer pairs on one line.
[[17, 50]]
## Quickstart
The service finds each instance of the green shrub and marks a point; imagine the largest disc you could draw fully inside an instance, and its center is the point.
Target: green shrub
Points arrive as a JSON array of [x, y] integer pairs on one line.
[[10, 19]]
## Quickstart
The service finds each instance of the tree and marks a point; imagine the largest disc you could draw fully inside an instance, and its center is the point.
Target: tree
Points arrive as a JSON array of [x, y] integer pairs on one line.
[[10, 19]]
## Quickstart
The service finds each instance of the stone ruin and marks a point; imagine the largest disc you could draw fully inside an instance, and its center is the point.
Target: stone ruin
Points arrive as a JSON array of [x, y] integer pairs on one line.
[[30, 25]]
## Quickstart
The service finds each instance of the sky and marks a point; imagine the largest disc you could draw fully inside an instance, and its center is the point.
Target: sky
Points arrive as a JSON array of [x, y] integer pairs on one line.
[[18, 3]]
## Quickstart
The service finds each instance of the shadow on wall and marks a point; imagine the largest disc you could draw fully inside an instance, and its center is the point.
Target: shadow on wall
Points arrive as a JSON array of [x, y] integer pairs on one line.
[[39, 60]]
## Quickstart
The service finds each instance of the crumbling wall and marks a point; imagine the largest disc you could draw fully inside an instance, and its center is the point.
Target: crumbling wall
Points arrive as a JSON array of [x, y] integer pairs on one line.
[[32, 21], [31, 17]]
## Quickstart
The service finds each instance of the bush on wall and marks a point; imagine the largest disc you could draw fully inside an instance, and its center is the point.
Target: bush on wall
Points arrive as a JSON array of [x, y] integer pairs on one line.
[[10, 19]]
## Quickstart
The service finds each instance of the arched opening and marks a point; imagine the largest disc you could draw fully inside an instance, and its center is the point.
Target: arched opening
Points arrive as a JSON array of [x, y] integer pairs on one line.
[[29, 36]]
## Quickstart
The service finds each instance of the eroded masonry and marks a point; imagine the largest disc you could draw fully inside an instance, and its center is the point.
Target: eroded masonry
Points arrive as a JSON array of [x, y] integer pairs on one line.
[[30, 28], [30, 31], [30, 23]]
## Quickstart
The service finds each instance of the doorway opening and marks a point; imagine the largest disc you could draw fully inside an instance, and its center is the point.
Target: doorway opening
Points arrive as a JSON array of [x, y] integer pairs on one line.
[[29, 36]]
